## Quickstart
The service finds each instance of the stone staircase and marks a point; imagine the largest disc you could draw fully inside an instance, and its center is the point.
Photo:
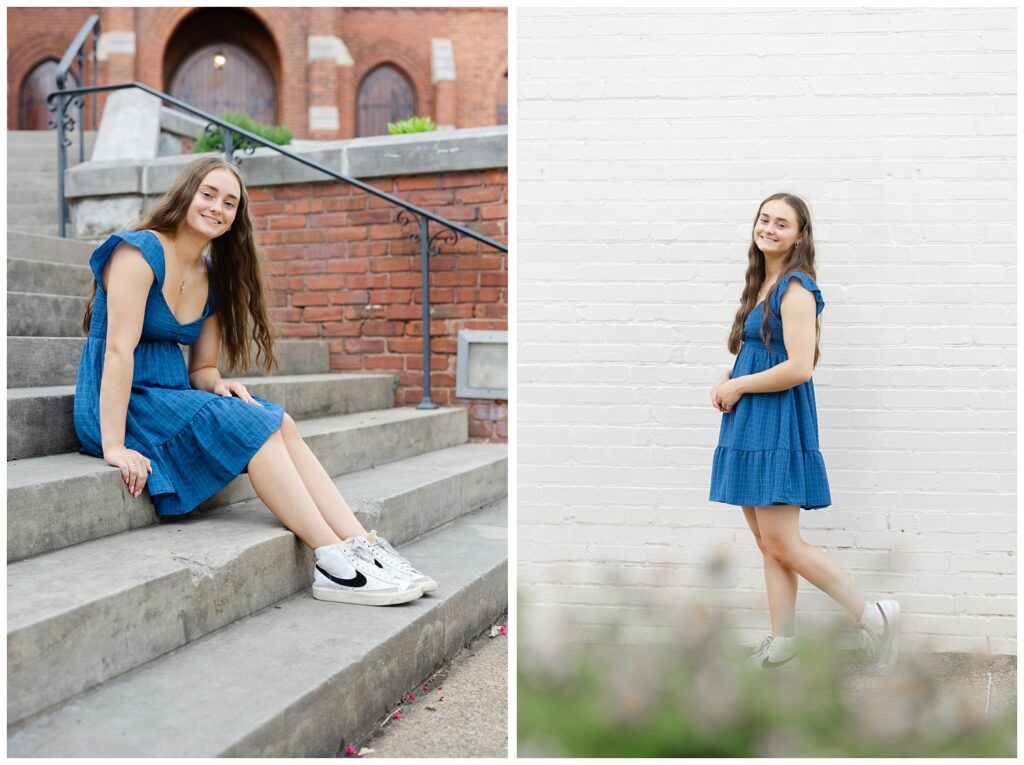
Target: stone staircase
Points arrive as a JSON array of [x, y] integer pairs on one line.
[[32, 177], [133, 636]]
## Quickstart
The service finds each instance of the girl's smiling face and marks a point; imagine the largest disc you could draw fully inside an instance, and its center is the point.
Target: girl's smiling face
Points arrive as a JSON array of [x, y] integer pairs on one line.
[[215, 204], [777, 229]]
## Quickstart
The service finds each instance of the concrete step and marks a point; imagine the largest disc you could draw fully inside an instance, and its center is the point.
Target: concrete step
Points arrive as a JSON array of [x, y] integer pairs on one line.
[[38, 276], [50, 249], [66, 499], [50, 361], [40, 421], [42, 229], [32, 213], [46, 147], [32, 181], [37, 194], [42, 162], [297, 679], [37, 315], [195, 569], [42, 159], [21, 139]]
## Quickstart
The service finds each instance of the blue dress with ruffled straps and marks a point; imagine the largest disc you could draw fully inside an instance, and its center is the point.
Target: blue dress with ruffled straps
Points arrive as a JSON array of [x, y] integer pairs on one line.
[[768, 450], [196, 441]]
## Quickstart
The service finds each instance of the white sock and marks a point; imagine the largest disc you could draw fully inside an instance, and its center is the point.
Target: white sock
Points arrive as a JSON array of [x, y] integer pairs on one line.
[[872, 618]]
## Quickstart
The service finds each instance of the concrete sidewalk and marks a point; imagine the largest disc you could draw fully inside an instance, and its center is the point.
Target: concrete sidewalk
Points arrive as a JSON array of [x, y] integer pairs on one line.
[[986, 686], [464, 714]]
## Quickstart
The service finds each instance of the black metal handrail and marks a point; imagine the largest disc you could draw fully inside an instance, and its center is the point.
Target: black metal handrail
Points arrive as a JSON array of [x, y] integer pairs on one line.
[[412, 215], [77, 49]]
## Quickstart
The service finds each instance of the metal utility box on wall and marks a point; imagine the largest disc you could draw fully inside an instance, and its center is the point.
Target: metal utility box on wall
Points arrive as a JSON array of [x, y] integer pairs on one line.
[[481, 368]]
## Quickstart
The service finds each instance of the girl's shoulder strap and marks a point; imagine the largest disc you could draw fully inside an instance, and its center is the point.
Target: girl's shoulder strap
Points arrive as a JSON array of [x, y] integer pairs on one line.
[[808, 283], [145, 241]]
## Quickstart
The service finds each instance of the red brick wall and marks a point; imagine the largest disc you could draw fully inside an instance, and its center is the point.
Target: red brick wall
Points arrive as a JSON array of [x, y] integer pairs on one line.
[[342, 268], [373, 36], [34, 35], [479, 37]]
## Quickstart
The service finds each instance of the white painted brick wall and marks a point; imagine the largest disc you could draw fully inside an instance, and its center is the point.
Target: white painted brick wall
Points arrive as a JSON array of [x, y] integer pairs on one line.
[[646, 141]]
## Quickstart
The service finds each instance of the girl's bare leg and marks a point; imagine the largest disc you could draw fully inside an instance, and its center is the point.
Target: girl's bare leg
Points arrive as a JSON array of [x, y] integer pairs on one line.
[[780, 532], [780, 582], [332, 506], [277, 482]]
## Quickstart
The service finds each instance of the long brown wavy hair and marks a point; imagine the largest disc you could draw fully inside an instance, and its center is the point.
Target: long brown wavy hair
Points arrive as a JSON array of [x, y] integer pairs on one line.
[[236, 284], [799, 258]]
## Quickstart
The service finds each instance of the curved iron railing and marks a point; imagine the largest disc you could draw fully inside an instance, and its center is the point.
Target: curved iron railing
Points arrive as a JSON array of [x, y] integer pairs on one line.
[[77, 50], [447, 233]]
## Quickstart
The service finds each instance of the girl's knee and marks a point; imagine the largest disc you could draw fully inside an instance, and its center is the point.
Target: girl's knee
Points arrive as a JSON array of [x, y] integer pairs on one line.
[[288, 427], [780, 547], [760, 544], [273, 441]]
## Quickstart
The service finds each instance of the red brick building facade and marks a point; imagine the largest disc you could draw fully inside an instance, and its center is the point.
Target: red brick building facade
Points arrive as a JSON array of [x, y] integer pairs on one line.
[[323, 72], [342, 268]]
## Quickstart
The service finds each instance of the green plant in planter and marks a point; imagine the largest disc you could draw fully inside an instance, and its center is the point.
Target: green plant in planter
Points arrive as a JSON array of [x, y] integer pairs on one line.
[[278, 134], [412, 125]]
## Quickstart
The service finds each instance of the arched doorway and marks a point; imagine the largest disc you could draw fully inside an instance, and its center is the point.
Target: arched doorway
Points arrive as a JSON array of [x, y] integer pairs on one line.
[[224, 60], [32, 111], [225, 77], [385, 95]]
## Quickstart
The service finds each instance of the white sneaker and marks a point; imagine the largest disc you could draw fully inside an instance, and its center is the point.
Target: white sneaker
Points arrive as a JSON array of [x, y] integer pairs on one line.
[[347, 573], [884, 646], [778, 654], [388, 555], [754, 660]]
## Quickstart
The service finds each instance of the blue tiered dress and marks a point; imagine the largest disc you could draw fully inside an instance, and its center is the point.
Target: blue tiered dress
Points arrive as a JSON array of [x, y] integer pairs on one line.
[[768, 450], [196, 441]]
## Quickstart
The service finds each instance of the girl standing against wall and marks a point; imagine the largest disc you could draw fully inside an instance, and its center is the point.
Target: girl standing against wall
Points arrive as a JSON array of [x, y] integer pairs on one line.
[[768, 461]]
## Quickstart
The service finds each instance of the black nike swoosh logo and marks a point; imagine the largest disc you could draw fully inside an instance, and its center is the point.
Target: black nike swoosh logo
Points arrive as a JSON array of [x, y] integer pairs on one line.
[[768, 664], [357, 581]]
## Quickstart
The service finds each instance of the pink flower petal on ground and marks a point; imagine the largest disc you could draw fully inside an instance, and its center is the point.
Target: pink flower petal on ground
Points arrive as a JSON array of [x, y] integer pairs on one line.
[[350, 751], [397, 715], [439, 688], [426, 688], [504, 629], [411, 696]]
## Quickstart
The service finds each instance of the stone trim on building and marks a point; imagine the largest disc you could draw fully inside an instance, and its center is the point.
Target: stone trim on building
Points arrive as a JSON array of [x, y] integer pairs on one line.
[[442, 60], [378, 156], [117, 43], [329, 47]]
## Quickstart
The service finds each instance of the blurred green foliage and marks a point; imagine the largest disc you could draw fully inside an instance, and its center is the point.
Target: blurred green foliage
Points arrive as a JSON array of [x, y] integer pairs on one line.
[[412, 125], [278, 134], [697, 698]]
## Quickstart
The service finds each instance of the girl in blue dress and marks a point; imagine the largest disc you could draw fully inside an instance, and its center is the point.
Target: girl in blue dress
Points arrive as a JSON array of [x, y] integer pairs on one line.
[[183, 431], [768, 460]]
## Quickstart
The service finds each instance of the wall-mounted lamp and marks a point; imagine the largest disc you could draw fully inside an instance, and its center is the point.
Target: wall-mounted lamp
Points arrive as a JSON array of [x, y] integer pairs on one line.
[[219, 60]]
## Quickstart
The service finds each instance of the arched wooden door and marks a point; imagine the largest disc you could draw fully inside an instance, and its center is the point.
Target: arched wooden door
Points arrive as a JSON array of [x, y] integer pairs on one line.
[[385, 95], [240, 83], [32, 111]]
